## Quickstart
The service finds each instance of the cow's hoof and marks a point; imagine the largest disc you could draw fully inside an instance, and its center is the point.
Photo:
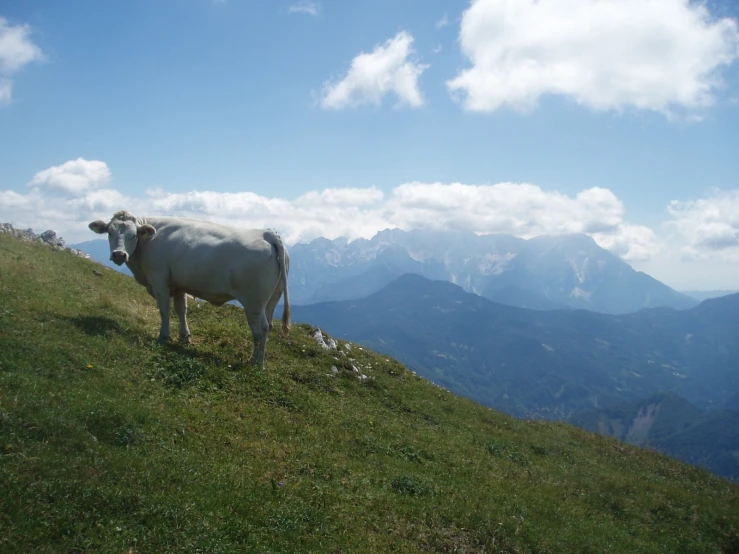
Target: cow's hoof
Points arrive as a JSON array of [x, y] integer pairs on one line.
[[163, 340], [185, 339]]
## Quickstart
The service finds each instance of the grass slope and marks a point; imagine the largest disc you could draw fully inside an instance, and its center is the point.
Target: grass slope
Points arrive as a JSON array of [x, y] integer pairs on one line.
[[111, 443]]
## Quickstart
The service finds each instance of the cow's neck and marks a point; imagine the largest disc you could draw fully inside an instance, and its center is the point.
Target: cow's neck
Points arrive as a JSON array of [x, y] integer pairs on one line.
[[135, 267], [134, 264]]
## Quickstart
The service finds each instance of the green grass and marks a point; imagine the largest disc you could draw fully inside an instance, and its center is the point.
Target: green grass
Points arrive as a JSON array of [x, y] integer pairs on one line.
[[112, 443]]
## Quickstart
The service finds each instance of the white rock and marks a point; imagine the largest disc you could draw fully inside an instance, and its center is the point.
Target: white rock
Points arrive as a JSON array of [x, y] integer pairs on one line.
[[318, 337]]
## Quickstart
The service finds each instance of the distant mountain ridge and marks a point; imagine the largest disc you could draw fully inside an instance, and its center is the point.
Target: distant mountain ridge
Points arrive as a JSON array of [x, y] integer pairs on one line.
[[706, 294], [546, 272]]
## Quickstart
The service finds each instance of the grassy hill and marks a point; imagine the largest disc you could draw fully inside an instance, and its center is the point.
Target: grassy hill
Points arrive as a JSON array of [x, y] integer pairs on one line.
[[111, 443]]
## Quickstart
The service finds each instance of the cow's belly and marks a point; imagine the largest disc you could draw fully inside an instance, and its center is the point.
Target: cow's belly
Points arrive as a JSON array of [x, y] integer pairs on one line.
[[213, 298]]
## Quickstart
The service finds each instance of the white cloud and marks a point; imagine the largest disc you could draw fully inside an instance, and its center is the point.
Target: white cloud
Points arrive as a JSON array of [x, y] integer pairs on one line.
[[372, 76], [16, 51], [341, 197], [305, 7], [697, 247], [700, 244], [633, 243], [521, 209], [443, 22], [707, 228], [101, 200], [657, 55], [73, 177], [12, 201]]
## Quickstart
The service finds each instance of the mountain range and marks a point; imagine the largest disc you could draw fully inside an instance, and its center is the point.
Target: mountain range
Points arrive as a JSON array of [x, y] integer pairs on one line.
[[545, 272]]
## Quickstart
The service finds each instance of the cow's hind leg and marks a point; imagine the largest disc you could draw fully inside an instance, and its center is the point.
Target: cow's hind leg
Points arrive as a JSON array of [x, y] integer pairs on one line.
[[180, 306], [259, 331], [272, 304]]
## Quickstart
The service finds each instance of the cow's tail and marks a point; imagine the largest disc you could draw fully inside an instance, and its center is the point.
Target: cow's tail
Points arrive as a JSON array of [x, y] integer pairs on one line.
[[283, 259]]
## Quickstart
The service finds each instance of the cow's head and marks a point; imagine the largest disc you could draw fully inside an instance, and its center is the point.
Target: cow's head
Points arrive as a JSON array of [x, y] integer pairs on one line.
[[124, 233]]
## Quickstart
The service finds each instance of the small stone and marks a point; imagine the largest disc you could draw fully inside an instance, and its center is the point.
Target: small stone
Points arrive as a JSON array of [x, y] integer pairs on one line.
[[318, 337]]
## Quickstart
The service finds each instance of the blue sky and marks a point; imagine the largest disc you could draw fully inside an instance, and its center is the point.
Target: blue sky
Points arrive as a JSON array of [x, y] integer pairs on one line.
[[328, 118]]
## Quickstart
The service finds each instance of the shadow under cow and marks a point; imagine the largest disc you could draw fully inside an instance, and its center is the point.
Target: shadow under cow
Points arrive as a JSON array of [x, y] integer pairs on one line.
[[98, 326], [101, 326]]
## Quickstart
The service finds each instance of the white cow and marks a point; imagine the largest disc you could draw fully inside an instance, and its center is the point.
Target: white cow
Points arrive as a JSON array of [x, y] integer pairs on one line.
[[173, 257]]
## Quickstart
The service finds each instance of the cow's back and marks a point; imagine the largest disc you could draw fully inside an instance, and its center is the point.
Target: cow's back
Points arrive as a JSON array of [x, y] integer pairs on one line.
[[210, 261]]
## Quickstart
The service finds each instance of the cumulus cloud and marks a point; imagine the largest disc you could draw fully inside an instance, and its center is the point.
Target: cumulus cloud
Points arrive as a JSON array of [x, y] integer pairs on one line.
[[656, 55], [633, 243], [387, 69], [707, 228], [697, 247], [16, 51], [341, 197], [520, 209], [68, 196], [73, 177], [305, 7], [700, 244]]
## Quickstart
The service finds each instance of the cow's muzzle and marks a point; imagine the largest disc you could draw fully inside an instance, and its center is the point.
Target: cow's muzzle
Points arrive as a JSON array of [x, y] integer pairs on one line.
[[119, 257]]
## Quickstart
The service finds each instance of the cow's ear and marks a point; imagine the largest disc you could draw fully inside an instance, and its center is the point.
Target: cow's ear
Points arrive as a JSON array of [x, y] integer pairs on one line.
[[99, 227], [146, 231]]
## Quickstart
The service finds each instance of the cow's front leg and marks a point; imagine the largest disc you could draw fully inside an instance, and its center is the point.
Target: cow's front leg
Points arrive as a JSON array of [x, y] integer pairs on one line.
[[180, 306], [162, 296]]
